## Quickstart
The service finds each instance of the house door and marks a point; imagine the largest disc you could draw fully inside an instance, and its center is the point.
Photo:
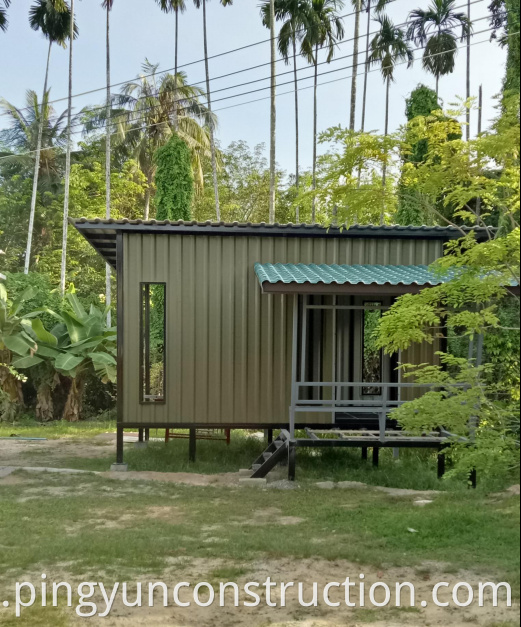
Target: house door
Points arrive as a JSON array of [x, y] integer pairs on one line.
[[371, 365]]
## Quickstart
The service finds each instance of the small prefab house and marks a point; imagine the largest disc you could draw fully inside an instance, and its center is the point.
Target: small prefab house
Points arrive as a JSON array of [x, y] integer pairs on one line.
[[256, 326]]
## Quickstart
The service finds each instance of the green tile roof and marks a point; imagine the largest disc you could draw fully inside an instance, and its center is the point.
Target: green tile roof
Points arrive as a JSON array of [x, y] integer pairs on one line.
[[342, 274]]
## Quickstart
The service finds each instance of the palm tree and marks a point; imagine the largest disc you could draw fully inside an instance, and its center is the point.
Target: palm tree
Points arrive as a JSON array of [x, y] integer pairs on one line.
[[367, 6], [293, 13], [388, 48], [67, 160], [273, 115], [4, 5], [199, 4], [434, 28], [107, 5], [177, 6], [144, 116], [323, 30], [26, 129], [357, 4], [53, 19]]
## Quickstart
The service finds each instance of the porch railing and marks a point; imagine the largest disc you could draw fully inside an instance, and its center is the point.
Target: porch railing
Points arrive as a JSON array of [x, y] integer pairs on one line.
[[336, 405]]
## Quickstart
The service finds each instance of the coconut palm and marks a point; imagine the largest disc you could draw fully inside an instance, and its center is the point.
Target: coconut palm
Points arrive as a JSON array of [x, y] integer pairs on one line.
[[213, 149], [4, 5], [144, 117], [324, 28], [434, 28], [67, 160], [27, 129], [175, 6], [107, 5], [367, 6], [53, 19], [388, 48], [293, 14]]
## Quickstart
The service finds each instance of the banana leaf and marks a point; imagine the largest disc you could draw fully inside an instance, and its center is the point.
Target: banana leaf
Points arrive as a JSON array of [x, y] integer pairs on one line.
[[42, 334], [67, 363], [102, 358], [27, 362], [19, 344]]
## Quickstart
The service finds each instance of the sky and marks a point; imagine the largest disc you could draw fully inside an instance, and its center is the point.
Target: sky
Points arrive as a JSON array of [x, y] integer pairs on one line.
[[140, 30]]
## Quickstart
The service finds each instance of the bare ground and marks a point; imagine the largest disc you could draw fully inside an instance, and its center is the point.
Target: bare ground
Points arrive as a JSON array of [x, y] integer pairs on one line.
[[308, 572]]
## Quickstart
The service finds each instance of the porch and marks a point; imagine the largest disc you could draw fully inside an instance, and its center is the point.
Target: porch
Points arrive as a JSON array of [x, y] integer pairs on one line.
[[340, 378]]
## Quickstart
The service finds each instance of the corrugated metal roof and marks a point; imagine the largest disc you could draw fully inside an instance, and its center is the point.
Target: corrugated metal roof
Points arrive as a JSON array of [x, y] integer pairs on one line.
[[361, 229], [344, 275], [101, 233]]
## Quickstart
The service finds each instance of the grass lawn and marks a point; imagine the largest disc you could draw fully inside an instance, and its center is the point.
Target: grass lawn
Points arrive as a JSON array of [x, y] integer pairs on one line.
[[90, 527], [56, 430]]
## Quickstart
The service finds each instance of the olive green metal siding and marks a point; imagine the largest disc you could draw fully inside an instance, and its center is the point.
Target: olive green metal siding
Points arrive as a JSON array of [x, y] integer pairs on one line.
[[228, 353]]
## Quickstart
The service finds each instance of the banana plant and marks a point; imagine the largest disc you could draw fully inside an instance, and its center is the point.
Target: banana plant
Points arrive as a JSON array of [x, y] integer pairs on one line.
[[80, 343], [10, 328]]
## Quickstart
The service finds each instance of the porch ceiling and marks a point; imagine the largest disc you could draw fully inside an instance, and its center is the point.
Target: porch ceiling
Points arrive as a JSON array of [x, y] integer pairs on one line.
[[353, 279]]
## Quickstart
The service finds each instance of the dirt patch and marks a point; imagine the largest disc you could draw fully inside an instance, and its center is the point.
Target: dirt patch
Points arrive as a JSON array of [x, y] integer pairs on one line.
[[293, 615], [269, 516], [184, 478], [11, 480], [16, 452]]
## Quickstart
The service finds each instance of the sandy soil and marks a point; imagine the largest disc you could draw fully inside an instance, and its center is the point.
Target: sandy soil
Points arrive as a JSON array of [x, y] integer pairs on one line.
[[18, 452], [307, 572]]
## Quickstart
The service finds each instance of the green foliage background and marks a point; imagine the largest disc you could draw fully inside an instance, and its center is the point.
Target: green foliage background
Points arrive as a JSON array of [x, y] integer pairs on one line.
[[174, 180]]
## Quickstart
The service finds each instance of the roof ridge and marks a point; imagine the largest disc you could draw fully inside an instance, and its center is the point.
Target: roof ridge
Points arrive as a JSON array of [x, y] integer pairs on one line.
[[265, 225]]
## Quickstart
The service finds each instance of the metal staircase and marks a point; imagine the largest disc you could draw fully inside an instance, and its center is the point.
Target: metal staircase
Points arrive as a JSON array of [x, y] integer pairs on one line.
[[276, 452]]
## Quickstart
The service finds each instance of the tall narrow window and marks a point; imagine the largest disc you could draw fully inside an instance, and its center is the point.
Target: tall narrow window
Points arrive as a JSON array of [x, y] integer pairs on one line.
[[153, 342], [372, 354]]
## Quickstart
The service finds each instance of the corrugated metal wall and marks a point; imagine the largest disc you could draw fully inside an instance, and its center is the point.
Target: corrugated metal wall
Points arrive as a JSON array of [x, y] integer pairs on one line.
[[228, 345]]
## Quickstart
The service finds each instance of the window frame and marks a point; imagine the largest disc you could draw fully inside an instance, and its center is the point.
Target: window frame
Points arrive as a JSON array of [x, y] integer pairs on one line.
[[144, 343]]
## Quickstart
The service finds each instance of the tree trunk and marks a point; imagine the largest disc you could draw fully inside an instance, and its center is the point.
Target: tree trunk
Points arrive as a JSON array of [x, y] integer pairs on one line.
[[37, 167], [384, 173], [366, 75], [44, 402], [211, 128], [315, 120], [176, 58], [297, 167], [273, 114], [67, 162], [437, 86], [74, 404], [480, 128], [148, 194], [356, 45], [11, 388], [108, 275], [468, 77]]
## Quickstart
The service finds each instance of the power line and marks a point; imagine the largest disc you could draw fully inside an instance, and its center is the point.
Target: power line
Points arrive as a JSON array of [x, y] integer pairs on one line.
[[259, 80], [344, 41], [284, 93], [303, 78]]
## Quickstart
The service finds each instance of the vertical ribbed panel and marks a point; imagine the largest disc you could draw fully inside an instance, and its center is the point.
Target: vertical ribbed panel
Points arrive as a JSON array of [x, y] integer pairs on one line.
[[229, 346]]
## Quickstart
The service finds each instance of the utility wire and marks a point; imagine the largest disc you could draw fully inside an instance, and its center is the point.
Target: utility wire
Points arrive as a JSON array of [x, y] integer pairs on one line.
[[247, 93], [27, 153], [344, 41], [152, 108], [259, 80]]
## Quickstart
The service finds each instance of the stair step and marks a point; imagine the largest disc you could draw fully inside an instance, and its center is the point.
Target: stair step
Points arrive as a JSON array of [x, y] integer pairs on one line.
[[255, 467], [279, 443], [267, 455]]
